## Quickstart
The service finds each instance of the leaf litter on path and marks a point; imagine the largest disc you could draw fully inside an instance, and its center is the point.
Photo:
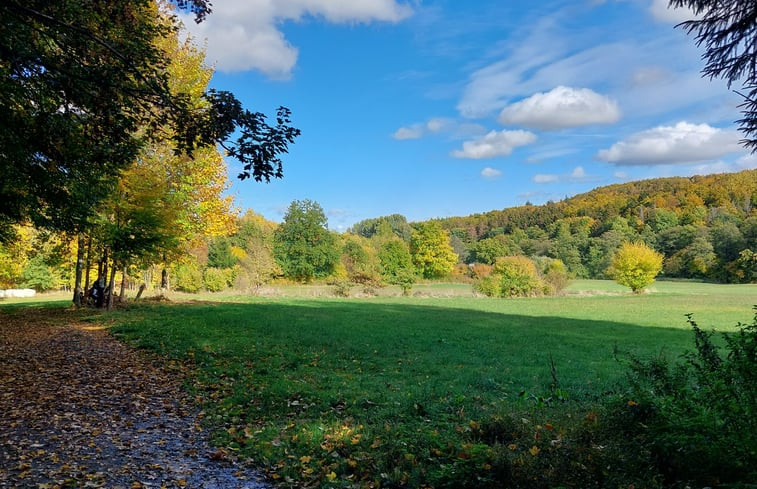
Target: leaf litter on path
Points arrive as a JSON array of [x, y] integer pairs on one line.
[[80, 409]]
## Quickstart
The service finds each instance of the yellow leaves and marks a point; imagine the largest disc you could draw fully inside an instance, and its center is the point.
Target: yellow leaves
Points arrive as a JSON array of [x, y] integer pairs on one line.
[[305, 459], [331, 476], [534, 450], [635, 265]]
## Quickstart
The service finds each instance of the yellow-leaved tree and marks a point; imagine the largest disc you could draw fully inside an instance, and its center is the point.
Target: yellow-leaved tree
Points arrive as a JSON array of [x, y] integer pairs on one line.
[[431, 250], [635, 265], [166, 201]]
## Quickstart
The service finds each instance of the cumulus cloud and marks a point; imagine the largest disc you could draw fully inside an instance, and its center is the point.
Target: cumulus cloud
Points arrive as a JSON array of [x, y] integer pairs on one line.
[[490, 173], [245, 36], [494, 144], [560, 108], [682, 143], [660, 11]]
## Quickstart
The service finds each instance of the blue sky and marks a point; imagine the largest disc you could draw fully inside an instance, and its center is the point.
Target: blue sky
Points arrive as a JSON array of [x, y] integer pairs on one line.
[[448, 108]]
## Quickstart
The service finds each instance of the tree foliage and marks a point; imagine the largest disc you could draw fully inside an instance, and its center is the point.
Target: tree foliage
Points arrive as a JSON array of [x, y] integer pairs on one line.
[[635, 265], [397, 264], [83, 86], [702, 225], [303, 245], [432, 253], [396, 223], [727, 29]]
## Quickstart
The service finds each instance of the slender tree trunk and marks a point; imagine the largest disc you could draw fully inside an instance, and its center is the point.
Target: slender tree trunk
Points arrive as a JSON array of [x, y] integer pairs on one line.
[[79, 265], [111, 286], [164, 277], [122, 295], [141, 290], [88, 265], [102, 280]]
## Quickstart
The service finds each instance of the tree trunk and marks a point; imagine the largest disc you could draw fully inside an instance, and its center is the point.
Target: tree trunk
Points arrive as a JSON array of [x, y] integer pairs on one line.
[[79, 266], [122, 295], [88, 264], [141, 289], [102, 280], [111, 286]]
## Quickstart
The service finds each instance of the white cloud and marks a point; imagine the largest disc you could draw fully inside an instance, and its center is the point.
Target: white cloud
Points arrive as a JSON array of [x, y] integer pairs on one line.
[[682, 143], [244, 35], [494, 144], [560, 108], [660, 11], [412, 132], [490, 173], [577, 175], [747, 162], [546, 178], [439, 125]]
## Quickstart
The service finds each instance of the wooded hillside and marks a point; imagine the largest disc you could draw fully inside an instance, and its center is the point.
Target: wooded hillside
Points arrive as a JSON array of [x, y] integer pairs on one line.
[[706, 226]]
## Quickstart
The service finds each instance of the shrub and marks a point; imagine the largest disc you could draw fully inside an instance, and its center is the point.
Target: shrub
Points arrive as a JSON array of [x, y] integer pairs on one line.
[[342, 288], [697, 419], [187, 278], [489, 286], [518, 276], [215, 279], [553, 272], [480, 270]]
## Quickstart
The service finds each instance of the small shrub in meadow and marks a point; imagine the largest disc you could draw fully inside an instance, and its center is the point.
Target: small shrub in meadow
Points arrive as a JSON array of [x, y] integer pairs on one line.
[[215, 279]]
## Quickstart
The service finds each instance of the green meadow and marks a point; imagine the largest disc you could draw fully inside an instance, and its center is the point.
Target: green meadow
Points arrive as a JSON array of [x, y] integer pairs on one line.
[[416, 391]]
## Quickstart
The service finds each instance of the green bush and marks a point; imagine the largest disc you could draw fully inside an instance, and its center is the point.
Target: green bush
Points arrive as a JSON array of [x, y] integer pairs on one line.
[[187, 278], [697, 419], [489, 286], [215, 279]]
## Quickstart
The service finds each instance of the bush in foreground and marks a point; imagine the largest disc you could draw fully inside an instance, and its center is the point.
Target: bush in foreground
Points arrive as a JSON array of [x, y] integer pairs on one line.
[[697, 419]]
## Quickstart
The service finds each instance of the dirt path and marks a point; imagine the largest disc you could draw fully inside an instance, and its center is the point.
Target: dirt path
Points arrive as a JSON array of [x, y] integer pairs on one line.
[[79, 409]]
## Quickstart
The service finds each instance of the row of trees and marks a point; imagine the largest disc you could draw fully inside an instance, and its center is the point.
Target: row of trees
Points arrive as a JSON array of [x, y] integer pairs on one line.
[[302, 249]]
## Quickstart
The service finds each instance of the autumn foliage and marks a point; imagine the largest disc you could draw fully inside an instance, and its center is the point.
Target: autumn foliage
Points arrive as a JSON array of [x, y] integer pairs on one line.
[[635, 265]]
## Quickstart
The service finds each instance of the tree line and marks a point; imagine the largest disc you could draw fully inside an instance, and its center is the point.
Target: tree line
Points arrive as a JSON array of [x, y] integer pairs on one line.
[[703, 227]]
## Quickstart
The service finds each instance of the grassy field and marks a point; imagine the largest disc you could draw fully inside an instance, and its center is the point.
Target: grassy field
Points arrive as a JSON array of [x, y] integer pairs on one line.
[[412, 391]]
